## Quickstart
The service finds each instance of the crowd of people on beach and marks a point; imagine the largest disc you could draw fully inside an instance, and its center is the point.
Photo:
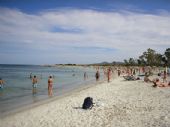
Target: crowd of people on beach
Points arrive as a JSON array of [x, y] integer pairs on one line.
[[128, 73], [157, 81], [137, 73], [146, 72]]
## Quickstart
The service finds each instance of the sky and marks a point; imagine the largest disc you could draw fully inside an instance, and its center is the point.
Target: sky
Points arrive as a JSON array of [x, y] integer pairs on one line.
[[81, 31]]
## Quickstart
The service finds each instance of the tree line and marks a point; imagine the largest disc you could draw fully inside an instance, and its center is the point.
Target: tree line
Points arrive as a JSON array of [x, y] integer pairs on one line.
[[150, 58]]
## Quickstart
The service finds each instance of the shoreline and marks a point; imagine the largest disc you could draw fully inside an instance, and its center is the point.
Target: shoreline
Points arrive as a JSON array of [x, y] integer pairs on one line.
[[50, 99]]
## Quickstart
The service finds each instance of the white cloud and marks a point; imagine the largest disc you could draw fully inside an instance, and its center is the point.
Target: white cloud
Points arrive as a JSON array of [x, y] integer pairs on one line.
[[130, 33]]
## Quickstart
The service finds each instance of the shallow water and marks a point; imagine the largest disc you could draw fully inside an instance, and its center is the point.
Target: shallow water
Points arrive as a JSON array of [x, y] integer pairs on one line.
[[17, 90]]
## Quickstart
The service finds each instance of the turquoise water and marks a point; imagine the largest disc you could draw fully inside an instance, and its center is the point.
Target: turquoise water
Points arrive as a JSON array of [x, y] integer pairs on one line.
[[17, 90]]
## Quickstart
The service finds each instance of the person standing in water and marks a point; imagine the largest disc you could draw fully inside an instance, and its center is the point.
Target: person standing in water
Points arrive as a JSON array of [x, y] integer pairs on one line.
[[30, 75], [34, 84], [97, 75], [85, 76], [1, 83], [50, 86]]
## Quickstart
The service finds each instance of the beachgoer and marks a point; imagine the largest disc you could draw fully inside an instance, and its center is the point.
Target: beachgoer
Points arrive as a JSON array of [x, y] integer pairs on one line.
[[160, 84], [34, 84], [134, 72], [143, 69], [50, 86], [85, 76], [105, 72], [164, 76], [30, 75], [97, 75], [108, 74], [118, 72], [131, 71], [34, 81], [131, 78], [146, 78], [1, 83]]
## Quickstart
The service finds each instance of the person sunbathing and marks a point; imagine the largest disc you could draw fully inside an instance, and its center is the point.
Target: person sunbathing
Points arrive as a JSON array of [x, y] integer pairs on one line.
[[146, 79], [157, 83], [164, 84]]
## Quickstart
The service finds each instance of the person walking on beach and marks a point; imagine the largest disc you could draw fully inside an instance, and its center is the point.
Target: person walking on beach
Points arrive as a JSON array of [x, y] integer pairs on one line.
[[97, 75], [50, 86], [34, 84], [164, 76], [118, 72], [1, 83], [109, 74]]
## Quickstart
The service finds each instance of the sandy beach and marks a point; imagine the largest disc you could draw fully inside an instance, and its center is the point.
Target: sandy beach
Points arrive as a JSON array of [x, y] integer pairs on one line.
[[118, 104]]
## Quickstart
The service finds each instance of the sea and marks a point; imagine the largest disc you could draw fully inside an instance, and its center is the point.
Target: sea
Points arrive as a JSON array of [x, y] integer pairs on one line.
[[18, 91]]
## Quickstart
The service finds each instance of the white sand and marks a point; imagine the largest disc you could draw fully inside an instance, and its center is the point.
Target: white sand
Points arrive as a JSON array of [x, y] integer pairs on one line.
[[119, 104]]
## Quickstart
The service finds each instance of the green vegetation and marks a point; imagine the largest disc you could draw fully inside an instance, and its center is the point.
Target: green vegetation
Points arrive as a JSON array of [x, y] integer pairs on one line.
[[150, 58]]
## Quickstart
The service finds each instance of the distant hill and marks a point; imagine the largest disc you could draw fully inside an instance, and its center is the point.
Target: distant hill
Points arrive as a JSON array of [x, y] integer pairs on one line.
[[109, 64], [97, 64]]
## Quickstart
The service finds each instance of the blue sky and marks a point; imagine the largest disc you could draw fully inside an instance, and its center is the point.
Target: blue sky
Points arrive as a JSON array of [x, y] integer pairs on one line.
[[81, 31], [37, 5]]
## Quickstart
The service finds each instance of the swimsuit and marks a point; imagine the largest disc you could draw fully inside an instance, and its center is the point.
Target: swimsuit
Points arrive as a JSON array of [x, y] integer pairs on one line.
[[1, 85], [34, 85], [50, 85]]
